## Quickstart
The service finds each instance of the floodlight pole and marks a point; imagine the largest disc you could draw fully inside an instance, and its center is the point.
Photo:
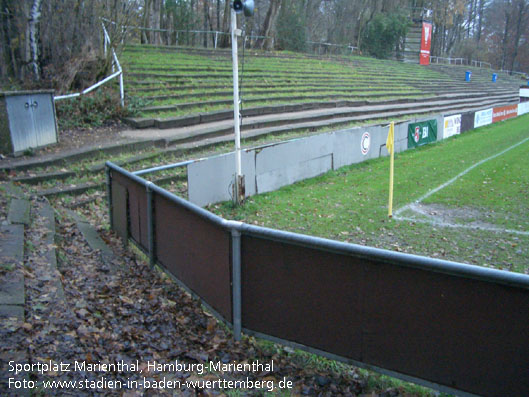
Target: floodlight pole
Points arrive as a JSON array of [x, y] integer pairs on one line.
[[238, 195]]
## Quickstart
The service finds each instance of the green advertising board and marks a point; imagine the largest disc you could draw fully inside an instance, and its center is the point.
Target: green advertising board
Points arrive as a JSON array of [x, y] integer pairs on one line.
[[422, 133]]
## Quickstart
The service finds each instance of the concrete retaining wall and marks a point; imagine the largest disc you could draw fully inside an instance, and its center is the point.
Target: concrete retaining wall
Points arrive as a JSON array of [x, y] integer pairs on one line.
[[268, 168]]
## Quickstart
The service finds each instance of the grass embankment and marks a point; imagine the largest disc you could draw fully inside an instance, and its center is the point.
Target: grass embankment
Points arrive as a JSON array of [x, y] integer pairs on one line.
[[350, 204]]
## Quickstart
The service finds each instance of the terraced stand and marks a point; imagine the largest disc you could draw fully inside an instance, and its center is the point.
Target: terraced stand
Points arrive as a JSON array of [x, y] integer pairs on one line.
[[184, 90], [186, 107]]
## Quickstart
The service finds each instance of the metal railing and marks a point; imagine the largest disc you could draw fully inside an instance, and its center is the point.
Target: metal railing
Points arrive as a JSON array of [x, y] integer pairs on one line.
[[459, 61], [316, 46], [447, 325], [115, 65]]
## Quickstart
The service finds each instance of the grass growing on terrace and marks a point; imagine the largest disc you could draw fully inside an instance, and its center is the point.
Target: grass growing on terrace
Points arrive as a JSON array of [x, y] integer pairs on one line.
[[350, 204], [197, 74]]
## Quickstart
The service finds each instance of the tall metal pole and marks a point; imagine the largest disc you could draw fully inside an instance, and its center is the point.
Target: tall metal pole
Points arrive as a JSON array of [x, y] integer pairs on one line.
[[236, 126]]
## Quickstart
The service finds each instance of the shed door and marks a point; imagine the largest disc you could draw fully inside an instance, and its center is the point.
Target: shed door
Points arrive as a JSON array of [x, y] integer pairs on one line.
[[21, 122], [44, 116]]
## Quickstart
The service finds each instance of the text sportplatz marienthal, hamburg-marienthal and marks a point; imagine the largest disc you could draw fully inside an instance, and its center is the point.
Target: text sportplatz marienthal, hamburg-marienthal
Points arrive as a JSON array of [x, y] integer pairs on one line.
[[123, 375]]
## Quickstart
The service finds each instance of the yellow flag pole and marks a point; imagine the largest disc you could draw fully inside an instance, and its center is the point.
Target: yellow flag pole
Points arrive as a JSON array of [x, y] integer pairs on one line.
[[390, 146]]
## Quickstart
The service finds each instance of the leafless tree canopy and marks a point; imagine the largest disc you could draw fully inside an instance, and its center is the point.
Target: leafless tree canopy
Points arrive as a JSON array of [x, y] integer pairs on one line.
[[53, 40]]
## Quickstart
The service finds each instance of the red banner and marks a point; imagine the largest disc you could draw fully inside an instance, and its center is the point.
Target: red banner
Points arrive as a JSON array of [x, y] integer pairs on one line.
[[504, 113], [426, 43]]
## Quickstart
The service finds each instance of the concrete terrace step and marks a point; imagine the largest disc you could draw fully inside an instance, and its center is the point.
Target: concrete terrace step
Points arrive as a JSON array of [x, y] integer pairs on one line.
[[46, 271], [203, 118], [288, 122], [19, 211], [12, 296], [12, 304], [93, 239], [67, 156], [353, 93], [268, 95]]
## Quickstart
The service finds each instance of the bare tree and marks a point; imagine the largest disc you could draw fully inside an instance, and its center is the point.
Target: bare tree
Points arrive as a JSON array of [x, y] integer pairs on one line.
[[481, 7], [506, 29], [268, 24], [521, 12], [33, 33], [225, 39]]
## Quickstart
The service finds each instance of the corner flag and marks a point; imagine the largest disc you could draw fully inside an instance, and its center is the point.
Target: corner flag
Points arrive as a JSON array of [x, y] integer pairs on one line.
[[390, 145], [391, 138]]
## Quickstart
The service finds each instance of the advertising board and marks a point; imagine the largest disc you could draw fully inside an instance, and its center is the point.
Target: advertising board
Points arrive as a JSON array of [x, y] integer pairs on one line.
[[504, 113], [523, 108], [422, 133], [426, 43], [482, 117], [452, 126]]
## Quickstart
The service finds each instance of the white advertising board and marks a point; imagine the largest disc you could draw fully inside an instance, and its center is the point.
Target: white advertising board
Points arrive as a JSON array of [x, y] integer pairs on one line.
[[483, 117], [451, 126], [523, 108]]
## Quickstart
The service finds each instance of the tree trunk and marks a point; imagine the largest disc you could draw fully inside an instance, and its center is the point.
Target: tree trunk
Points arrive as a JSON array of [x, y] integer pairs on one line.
[[33, 37], [218, 15], [206, 13], [155, 21], [480, 20], [470, 16], [225, 38], [8, 50], [268, 25], [506, 33], [192, 17], [145, 22], [521, 11]]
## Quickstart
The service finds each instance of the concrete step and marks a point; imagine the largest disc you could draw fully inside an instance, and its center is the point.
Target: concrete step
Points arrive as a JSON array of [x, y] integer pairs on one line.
[[12, 297], [190, 129], [44, 176], [204, 118], [19, 211], [45, 271], [93, 239], [288, 122], [122, 146]]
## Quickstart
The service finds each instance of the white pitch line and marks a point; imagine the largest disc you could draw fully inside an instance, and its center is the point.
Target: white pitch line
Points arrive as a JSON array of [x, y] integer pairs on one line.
[[433, 191]]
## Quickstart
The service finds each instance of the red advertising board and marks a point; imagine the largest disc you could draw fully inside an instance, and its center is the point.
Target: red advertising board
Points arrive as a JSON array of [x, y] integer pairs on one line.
[[504, 113], [426, 43]]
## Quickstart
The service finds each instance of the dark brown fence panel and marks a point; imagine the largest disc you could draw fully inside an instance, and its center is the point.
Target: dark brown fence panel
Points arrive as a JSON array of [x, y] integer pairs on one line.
[[467, 121], [119, 207], [467, 334], [195, 251], [138, 214], [455, 331], [302, 295], [137, 208]]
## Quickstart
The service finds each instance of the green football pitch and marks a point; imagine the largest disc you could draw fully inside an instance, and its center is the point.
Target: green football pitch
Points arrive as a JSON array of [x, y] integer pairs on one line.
[[464, 199]]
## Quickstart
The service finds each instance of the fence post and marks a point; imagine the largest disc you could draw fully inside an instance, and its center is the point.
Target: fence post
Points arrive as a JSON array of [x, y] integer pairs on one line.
[[236, 283], [121, 89], [109, 197], [150, 223]]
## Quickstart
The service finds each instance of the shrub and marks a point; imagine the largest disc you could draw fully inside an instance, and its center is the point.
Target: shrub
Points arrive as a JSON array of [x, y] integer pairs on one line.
[[291, 30], [93, 110], [384, 34]]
